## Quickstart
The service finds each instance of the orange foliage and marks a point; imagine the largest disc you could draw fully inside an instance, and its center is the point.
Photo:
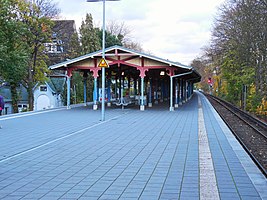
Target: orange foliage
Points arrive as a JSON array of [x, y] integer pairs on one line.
[[262, 108]]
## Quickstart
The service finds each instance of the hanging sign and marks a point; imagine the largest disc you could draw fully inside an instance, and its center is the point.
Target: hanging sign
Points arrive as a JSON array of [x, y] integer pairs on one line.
[[103, 63]]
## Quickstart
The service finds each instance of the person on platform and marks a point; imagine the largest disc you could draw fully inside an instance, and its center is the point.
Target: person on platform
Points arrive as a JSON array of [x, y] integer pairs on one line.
[[2, 104]]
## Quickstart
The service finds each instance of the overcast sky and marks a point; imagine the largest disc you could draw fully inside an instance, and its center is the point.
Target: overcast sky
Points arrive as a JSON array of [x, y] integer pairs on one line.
[[170, 29]]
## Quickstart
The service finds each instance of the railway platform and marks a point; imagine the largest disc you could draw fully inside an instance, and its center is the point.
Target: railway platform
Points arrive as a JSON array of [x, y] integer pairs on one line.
[[153, 154]]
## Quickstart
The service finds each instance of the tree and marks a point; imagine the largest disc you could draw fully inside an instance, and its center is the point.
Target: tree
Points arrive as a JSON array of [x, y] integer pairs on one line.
[[110, 40], [120, 30], [123, 34], [87, 43], [74, 46], [205, 70], [134, 45], [13, 50], [238, 46], [37, 17], [88, 36]]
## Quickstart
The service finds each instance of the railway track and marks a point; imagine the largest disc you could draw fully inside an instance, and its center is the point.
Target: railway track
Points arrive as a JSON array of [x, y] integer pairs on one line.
[[250, 132]]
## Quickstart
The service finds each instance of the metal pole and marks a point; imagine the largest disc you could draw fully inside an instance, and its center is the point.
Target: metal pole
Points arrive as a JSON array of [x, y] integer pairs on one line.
[[245, 97], [150, 93], [75, 94], [181, 92], [103, 56], [84, 91], [171, 95], [142, 94], [95, 91], [103, 68], [176, 94], [68, 92]]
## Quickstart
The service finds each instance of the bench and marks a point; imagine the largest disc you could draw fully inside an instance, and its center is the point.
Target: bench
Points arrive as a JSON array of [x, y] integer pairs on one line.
[[125, 101]]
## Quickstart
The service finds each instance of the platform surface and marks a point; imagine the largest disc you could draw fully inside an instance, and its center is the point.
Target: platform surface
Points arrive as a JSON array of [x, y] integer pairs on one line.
[[133, 154]]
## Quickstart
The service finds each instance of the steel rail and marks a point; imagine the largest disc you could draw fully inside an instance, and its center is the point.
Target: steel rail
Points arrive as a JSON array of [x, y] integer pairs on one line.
[[244, 114], [240, 115], [225, 105]]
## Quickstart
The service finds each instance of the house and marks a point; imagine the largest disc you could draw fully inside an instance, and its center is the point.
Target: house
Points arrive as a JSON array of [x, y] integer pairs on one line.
[[49, 94], [22, 102], [58, 50]]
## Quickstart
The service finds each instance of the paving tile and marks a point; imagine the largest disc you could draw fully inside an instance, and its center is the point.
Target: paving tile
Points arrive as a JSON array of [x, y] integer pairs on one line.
[[229, 195], [248, 192], [52, 195], [189, 195], [109, 197], [130, 195], [251, 197], [149, 196], [169, 196]]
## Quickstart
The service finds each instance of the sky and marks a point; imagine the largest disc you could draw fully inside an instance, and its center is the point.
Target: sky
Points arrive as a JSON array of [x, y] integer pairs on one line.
[[170, 29]]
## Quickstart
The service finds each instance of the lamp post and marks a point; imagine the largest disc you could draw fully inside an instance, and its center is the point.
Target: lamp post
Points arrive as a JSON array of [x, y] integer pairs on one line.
[[103, 56]]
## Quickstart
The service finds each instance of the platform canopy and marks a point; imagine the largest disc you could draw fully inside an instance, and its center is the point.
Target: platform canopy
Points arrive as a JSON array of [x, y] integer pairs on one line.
[[127, 62], [146, 78]]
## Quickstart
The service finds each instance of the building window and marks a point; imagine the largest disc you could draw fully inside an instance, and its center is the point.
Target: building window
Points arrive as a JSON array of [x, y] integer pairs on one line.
[[22, 107], [54, 47], [43, 88]]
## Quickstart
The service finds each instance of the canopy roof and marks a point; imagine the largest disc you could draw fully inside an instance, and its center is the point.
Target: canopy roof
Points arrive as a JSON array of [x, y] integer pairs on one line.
[[121, 59]]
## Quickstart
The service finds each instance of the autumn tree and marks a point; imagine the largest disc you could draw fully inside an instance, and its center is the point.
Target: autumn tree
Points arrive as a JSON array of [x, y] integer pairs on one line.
[[203, 68], [239, 46], [37, 16], [39, 21]]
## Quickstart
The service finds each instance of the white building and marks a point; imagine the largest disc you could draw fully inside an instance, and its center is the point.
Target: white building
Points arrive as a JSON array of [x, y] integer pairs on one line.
[[46, 96]]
